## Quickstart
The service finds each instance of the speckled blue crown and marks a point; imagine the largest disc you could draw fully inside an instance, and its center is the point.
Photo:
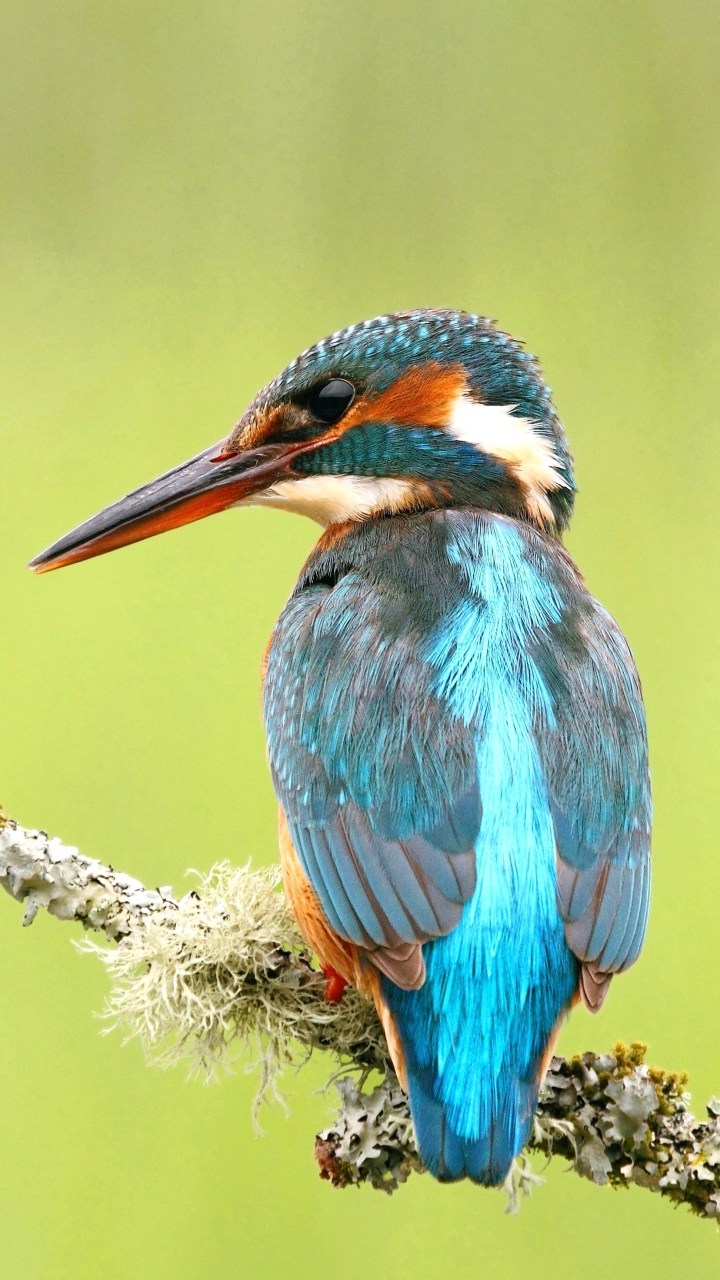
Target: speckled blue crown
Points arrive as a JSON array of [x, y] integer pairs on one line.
[[374, 353]]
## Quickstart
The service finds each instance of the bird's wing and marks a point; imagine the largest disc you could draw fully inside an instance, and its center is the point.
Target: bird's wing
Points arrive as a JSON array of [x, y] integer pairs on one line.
[[377, 780], [595, 762], [379, 692]]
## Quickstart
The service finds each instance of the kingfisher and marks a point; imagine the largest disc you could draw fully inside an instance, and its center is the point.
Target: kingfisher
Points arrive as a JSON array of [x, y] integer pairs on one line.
[[455, 726]]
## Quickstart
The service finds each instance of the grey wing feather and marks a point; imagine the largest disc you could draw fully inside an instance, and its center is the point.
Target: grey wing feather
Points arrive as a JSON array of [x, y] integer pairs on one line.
[[385, 895], [596, 767]]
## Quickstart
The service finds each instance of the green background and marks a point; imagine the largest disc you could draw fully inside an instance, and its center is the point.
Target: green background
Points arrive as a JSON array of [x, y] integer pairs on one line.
[[192, 192]]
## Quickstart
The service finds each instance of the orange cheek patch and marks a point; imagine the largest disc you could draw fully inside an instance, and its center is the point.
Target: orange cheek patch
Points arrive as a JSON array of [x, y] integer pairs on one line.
[[422, 397]]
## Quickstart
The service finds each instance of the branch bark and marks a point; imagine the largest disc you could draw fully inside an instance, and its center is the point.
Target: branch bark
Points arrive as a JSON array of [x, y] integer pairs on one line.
[[43, 872], [223, 968]]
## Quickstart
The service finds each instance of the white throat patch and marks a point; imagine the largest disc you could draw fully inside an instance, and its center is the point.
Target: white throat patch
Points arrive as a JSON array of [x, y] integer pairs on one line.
[[335, 499], [495, 430]]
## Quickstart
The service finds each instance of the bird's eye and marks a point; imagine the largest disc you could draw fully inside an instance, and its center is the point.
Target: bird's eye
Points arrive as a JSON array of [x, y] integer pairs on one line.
[[330, 401]]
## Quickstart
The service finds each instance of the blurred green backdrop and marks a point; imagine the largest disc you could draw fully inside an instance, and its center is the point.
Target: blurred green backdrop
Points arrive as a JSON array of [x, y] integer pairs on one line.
[[193, 191]]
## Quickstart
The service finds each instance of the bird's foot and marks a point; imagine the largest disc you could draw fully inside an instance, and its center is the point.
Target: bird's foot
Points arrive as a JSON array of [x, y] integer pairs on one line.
[[335, 985]]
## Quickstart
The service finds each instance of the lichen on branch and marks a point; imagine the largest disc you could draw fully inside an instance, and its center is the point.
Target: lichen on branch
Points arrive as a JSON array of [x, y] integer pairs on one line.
[[202, 978], [615, 1119], [227, 971], [41, 872], [224, 969]]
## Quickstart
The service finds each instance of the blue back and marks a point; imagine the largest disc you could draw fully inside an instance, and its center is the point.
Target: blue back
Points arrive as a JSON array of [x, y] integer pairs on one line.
[[448, 711]]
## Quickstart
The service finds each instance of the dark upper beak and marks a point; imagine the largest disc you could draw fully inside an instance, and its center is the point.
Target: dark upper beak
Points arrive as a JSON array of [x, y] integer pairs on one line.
[[209, 482]]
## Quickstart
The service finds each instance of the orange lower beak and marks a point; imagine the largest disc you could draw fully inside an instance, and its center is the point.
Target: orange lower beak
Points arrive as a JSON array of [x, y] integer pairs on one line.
[[209, 482]]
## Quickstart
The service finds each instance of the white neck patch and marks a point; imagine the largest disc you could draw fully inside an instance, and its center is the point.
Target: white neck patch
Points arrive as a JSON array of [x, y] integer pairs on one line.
[[494, 429], [336, 499]]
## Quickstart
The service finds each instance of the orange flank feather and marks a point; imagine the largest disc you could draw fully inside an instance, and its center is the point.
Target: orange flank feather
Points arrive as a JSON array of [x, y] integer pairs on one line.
[[550, 1046], [332, 951], [266, 658], [334, 533], [346, 961]]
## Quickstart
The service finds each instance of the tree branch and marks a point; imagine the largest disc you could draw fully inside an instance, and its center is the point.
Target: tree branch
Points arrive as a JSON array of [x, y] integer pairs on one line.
[[615, 1119], [223, 968], [46, 873], [201, 977]]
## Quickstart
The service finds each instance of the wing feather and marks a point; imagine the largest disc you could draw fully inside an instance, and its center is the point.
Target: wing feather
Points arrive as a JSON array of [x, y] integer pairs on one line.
[[575, 889], [388, 875], [597, 772], [623, 918], [378, 877], [606, 906], [635, 944], [379, 892], [376, 767], [339, 888]]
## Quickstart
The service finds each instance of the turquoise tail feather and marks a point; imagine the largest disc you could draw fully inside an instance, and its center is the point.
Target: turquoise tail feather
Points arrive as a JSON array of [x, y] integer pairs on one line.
[[475, 1033], [473, 1117], [485, 1160], [473, 1086]]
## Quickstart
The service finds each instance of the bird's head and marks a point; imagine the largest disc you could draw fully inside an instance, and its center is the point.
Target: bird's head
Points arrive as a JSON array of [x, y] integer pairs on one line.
[[408, 412]]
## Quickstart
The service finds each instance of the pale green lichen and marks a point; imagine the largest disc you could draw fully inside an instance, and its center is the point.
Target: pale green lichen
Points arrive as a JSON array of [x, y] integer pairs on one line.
[[226, 970], [616, 1120], [372, 1139]]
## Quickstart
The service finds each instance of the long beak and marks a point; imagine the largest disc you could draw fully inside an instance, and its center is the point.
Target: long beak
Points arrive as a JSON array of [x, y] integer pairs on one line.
[[207, 483]]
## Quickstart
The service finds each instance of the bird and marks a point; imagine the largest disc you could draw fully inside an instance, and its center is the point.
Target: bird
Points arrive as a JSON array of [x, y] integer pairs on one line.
[[455, 726]]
